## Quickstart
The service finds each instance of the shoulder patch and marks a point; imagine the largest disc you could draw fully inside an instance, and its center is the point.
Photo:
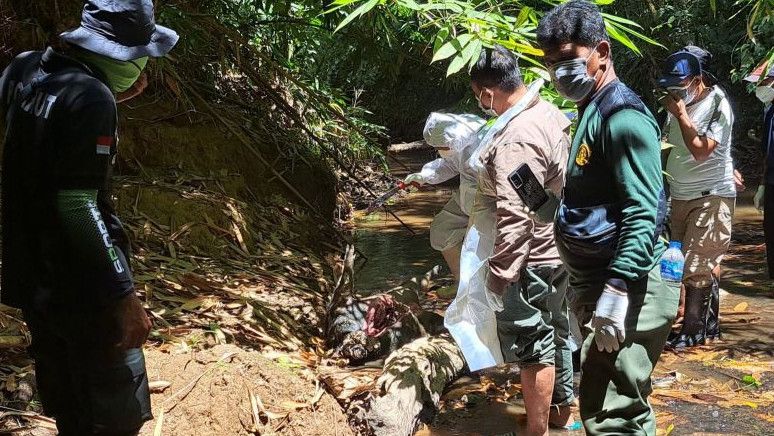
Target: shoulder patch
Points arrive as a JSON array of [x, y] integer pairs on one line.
[[104, 144], [583, 156]]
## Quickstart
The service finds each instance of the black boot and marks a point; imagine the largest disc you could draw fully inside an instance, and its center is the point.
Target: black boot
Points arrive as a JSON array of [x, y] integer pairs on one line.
[[695, 322], [713, 314]]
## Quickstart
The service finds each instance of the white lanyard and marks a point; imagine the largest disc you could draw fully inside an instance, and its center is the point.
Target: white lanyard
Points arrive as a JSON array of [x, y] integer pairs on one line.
[[502, 121]]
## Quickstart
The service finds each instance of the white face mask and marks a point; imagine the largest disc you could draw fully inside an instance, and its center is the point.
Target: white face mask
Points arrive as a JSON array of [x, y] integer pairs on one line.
[[686, 93], [491, 112], [765, 94]]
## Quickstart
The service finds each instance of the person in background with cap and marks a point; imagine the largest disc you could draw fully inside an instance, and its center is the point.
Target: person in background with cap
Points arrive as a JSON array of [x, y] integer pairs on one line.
[[454, 137], [700, 173], [764, 197], [65, 254]]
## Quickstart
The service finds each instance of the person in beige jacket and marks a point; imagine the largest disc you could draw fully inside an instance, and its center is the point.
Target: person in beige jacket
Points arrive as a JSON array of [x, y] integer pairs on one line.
[[526, 280]]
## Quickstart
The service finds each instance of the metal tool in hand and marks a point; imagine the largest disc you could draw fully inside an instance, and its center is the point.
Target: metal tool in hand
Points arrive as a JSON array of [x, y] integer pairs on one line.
[[379, 202]]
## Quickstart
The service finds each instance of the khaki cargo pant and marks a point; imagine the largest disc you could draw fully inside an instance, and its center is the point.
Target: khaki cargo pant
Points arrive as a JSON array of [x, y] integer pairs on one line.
[[703, 225], [450, 225]]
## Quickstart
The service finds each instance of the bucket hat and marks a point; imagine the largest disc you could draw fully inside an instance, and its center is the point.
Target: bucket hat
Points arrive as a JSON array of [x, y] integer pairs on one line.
[[121, 29]]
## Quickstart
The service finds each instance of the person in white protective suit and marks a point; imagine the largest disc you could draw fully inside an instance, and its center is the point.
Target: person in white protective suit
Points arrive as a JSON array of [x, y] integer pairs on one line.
[[455, 137]]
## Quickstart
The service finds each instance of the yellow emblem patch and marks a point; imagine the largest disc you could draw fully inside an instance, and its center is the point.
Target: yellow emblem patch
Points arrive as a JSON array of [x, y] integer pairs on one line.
[[583, 156]]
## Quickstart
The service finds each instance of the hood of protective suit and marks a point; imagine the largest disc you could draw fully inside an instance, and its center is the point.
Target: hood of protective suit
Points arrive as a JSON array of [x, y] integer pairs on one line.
[[461, 133], [455, 131]]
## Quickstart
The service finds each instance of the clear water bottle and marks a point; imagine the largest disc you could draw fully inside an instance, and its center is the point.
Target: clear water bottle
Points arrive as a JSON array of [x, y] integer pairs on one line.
[[672, 263]]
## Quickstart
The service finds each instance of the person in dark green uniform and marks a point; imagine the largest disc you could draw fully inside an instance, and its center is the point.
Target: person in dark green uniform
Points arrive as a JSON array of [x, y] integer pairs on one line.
[[64, 252], [608, 224]]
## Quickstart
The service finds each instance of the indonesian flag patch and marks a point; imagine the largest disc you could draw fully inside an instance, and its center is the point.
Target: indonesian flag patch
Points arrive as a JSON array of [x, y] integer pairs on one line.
[[103, 144]]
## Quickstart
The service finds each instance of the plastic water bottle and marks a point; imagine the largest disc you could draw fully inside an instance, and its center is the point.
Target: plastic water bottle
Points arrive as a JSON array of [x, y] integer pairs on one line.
[[672, 263]]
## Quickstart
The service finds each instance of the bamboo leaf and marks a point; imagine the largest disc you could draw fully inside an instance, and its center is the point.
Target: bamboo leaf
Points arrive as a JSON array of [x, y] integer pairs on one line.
[[640, 36], [455, 65], [526, 49], [751, 22], [440, 38], [361, 10], [446, 51], [338, 4], [450, 48], [410, 4], [621, 37], [523, 16], [620, 20], [457, 9], [472, 52]]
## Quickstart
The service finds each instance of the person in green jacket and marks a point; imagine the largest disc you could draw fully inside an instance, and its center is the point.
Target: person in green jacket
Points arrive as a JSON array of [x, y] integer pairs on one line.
[[608, 224]]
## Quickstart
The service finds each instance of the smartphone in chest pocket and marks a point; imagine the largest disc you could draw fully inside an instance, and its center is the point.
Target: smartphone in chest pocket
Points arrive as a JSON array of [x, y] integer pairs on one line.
[[528, 187]]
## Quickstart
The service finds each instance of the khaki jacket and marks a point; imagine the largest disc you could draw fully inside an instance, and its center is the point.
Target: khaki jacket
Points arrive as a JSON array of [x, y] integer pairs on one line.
[[539, 137]]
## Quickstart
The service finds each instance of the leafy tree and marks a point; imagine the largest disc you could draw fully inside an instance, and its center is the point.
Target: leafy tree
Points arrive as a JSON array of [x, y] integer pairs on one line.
[[460, 29]]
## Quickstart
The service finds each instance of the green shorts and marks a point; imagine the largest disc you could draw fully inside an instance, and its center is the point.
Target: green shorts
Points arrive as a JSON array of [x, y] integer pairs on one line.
[[534, 328]]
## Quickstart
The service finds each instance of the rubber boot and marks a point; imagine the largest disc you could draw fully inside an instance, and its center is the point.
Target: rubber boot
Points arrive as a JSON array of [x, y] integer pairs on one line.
[[713, 313], [695, 322]]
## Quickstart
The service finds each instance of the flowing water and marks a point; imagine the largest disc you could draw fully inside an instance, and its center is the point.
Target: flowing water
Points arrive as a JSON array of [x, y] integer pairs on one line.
[[396, 253]]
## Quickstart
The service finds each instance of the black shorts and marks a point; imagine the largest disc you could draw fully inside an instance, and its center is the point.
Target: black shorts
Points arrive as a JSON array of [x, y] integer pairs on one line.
[[83, 380]]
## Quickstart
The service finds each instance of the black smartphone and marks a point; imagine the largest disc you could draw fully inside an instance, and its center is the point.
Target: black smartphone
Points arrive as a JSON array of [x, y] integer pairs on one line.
[[528, 187]]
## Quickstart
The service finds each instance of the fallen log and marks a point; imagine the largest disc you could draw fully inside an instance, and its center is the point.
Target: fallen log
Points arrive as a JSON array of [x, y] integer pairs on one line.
[[410, 387]]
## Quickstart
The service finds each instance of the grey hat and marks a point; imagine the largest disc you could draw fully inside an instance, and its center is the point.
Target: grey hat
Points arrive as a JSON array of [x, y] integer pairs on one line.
[[121, 30]]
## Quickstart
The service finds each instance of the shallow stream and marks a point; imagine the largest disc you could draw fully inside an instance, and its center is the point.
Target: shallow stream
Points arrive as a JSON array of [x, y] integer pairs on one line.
[[395, 255]]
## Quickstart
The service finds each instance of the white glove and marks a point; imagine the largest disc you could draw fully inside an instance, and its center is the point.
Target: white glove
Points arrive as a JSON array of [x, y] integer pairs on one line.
[[758, 198], [495, 301], [609, 319], [415, 178]]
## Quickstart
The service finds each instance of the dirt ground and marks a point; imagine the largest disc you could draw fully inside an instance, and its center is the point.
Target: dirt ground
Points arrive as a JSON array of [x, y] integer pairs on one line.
[[209, 394]]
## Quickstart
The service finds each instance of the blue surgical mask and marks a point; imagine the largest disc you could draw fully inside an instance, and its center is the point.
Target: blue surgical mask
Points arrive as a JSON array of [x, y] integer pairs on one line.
[[571, 78], [490, 111]]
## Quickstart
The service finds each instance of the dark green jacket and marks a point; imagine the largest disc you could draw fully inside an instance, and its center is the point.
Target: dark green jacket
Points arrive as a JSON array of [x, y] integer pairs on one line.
[[615, 160]]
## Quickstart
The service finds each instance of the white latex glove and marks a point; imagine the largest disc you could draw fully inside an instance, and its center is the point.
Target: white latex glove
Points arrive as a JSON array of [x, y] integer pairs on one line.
[[415, 178], [758, 198], [495, 301], [609, 319]]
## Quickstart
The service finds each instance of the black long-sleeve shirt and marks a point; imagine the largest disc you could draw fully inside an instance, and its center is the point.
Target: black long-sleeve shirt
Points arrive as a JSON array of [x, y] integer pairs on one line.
[[60, 236]]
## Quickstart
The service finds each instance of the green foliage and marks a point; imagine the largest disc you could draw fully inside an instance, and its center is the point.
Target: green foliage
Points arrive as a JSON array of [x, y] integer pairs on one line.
[[760, 32], [300, 56], [459, 29], [751, 381]]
